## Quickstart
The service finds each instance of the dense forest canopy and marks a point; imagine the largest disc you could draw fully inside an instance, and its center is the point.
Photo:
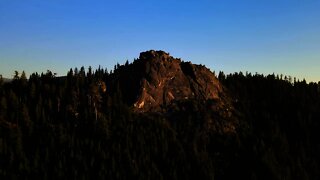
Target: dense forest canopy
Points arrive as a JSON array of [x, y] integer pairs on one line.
[[72, 127]]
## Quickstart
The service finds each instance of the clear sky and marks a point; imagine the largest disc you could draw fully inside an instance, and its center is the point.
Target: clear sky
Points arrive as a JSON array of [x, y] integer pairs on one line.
[[265, 36]]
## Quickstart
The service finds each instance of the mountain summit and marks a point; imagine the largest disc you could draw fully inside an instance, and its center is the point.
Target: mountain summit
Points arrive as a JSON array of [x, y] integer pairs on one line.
[[159, 118], [157, 82]]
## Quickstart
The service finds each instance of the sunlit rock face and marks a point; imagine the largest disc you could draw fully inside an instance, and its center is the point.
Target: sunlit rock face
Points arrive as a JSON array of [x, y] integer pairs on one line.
[[167, 80], [156, 82]]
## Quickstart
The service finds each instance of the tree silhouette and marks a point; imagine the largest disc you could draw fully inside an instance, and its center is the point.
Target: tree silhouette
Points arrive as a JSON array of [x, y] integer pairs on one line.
[[80, 127]]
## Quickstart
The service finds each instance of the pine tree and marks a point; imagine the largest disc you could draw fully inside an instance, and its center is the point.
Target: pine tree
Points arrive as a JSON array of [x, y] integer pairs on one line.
[[16, 75], [1, 80]]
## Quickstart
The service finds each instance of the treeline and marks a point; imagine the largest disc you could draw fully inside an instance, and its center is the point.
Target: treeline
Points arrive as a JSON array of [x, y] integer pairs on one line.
[[73, 128], [282, 115], [80, 127]]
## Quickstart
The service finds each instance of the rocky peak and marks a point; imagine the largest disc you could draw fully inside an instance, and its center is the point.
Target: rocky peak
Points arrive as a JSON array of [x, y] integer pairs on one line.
[[157, 81], [154, 55]]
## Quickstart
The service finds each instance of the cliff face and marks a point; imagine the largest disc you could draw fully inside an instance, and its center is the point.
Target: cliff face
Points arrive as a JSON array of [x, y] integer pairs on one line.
[[168, 80], [157, 81]]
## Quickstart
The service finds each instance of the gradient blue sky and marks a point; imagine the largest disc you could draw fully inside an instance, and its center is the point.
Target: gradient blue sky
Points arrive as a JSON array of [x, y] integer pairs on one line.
[[265, 36]]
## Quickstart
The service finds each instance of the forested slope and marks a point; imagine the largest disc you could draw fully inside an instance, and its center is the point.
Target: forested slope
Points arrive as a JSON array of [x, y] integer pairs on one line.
[[82, 126]]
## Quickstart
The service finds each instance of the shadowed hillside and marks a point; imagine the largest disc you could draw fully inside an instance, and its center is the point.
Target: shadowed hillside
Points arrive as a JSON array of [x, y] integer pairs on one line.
[[158, 118]]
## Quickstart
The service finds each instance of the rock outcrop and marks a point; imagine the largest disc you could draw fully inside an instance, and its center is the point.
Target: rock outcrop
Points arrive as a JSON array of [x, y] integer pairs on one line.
[[157, 81]]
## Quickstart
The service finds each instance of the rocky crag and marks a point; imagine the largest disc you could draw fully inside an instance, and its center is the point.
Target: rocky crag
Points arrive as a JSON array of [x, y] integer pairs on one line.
[[158, 82]]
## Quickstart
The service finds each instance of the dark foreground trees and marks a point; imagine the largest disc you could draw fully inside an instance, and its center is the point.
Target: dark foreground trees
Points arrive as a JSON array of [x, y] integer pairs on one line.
[[73, 128]]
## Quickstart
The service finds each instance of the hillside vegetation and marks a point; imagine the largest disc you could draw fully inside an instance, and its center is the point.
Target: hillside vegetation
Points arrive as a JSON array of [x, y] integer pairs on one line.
[[87, 125]]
